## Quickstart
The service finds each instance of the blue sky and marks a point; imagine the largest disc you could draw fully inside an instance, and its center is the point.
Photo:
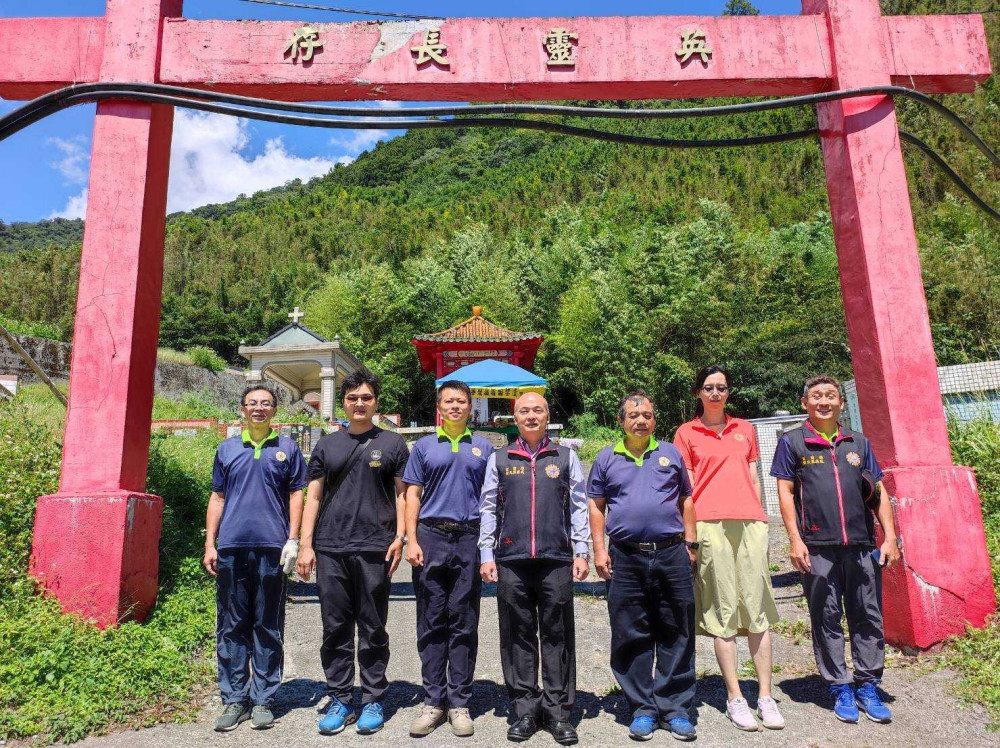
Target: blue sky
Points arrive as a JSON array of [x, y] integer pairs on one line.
[[214, 158]]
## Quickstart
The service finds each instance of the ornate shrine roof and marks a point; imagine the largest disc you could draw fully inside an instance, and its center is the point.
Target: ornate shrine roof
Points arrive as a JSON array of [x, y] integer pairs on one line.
[[477, 329]]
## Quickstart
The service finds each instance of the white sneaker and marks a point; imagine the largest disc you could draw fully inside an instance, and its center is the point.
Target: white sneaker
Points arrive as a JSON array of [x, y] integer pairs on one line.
[[427, 721], [740, 715], [768, 712], [461, 723]]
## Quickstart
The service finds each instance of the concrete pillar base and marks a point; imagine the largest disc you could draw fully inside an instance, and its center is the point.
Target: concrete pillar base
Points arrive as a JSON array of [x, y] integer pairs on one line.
[[99, 554], [944, 583]]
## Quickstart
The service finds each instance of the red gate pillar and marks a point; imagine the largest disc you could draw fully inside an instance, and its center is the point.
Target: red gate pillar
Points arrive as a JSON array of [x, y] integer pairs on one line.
[[945, 581], [96, 541]]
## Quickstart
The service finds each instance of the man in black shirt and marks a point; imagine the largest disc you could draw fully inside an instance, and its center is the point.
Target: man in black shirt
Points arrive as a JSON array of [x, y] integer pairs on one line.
[[352, 535]]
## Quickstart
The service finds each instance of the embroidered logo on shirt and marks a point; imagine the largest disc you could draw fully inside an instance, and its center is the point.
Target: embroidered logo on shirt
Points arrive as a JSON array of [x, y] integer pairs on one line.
[[552, 471], [280, 456], [376, 454], [664, 462], [854, 458], [739, 437], [508, 540], [813, 459], [477, 452]]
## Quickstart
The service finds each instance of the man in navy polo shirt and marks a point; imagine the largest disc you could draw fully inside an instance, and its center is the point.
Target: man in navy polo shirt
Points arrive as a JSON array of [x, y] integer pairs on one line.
[[644, 486], [255, 509], [444, 477], [533, 543], [829, 484]]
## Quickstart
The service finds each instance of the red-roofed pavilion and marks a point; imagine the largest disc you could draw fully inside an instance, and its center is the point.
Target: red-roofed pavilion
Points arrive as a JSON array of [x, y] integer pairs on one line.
[[474, 340]]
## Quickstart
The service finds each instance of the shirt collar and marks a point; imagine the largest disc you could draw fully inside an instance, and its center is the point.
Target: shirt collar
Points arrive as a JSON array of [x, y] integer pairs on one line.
[[257, 447], [826, 439], [730, 423], [523, 446], [621, 450], [442, 434]]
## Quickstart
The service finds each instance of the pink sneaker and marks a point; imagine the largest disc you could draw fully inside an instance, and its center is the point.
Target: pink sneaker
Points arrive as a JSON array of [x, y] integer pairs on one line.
[[768, 712], [739, 713]]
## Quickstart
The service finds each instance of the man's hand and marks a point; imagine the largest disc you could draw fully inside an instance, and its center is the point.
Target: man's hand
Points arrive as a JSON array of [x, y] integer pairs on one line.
[[211, 560], [692, 556], [581, 569], [890, 554], [288, 555], [307, 562], [415, 554], [800, 556], [393, 556], [488, 571], [602, 562]]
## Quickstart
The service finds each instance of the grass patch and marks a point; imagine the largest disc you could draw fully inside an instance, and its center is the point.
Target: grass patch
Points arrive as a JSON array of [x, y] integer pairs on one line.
[[62, 678], [797, 630], [170, 356], [595, 437], [32, 329], [206, 358], [191, 405]]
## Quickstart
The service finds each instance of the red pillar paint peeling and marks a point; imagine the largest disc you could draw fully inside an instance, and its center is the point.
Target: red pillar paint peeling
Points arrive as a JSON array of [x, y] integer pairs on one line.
[[946, 580], [95, 541]]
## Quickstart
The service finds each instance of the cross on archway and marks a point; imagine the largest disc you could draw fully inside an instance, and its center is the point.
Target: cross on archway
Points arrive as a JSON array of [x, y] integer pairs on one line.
[[95, 541]]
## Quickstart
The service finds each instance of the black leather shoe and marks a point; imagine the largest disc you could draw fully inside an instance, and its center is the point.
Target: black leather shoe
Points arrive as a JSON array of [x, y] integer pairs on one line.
[[563, 732], [523, 729]]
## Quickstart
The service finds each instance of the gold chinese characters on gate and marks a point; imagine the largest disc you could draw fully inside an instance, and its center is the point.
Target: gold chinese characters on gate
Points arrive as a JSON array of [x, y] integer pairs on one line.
[[559, 44]]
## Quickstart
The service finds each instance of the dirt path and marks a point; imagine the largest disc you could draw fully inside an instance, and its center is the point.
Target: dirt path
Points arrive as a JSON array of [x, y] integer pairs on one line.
[[925, 712]]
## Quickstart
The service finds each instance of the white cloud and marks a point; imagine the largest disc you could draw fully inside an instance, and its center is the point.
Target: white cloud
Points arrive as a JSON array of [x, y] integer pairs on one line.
[[75, 163], [76, 207], [207, 164], [354, 142]]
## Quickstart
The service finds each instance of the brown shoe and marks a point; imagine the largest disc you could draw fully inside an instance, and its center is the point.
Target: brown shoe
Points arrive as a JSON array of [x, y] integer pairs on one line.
[[427, 721], [461, 723]]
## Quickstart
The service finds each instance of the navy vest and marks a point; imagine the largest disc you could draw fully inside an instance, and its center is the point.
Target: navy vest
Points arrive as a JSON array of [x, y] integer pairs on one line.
[[829, 488], [533, 504]]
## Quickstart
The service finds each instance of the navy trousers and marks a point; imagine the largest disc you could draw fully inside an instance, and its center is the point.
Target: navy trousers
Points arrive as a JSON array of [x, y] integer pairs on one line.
[[651, 605], [250, 624], [447, 589], [354, 592]]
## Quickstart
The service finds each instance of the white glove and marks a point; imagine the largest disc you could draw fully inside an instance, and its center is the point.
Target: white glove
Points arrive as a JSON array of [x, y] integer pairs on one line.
[[289, 554]]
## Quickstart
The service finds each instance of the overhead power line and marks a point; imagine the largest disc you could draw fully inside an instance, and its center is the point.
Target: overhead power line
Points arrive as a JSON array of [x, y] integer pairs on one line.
[[352, 11], [380, 119]]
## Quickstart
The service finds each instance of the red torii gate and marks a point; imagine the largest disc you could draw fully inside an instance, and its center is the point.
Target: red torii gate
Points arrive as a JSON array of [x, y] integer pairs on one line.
[[95, 542]]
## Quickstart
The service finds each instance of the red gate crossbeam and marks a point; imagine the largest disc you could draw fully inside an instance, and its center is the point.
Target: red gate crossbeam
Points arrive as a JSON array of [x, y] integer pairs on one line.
[[500, 59]]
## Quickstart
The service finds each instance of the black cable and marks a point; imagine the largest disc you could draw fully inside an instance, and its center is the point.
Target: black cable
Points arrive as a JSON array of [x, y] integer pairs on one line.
[[50, 103], [542, 109], [951, 173], [351, 11]]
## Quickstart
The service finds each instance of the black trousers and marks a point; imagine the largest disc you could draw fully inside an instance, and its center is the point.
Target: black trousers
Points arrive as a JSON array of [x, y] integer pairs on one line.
[[354, 592], [447, 589], [651, 605], [535, 602]]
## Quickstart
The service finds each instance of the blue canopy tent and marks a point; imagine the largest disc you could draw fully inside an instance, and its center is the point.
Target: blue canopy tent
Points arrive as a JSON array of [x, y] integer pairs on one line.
[[496, 379]]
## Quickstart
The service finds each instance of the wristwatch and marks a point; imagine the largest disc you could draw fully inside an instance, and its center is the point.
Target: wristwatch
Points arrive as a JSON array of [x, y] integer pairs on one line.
[[402, 539], [584, 556], [693, 545]]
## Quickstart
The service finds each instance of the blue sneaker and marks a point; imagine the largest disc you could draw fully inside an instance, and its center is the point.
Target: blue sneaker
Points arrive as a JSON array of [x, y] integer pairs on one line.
[[371, 719], [338, 716], [681, 728], [843, 703], [867, 700], [642, 727]]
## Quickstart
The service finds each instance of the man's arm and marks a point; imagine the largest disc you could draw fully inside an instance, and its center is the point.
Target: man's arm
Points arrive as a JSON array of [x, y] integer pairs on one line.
[[307, 556], [488, 521], [690, 526], [579, 518], [797, 549], [296, 500], [602, 559], [213, 517], [414, 553], [395, 552], [889, 551]]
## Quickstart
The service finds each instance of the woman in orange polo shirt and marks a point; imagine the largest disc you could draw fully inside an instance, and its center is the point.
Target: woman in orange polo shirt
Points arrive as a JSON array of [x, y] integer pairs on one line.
[[733, 593]]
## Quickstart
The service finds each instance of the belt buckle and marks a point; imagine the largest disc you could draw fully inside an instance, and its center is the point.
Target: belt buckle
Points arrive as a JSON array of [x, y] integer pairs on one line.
[[449, 526], [647, 547]]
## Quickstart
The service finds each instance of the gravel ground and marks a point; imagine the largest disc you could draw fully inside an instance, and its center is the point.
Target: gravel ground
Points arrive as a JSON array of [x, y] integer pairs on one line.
[[925, 712]]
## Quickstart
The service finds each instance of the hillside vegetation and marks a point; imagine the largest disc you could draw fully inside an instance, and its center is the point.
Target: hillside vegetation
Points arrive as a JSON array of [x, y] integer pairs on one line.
[[639, 265]]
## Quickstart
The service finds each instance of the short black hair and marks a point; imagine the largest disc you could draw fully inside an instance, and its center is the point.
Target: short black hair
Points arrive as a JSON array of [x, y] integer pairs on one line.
[[636, 396], [260, 386], [357, 378], [455, 384], [821, 379]]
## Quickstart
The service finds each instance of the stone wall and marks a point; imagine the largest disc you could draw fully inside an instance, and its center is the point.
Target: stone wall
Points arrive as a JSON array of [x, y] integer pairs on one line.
[[172, 380]]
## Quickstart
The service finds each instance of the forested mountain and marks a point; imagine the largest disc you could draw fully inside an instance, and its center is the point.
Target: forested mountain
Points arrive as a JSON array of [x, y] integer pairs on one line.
[[639, 265]]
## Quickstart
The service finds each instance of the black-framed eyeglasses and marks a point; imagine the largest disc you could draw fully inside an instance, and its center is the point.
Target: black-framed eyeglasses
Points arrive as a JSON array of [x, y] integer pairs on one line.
[[362, 398], [261, 404]]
